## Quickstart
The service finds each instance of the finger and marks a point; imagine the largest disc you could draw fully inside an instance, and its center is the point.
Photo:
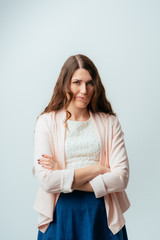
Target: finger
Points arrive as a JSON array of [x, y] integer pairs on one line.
[[47, 167], [47, 161], [45, 164], [46, 155]]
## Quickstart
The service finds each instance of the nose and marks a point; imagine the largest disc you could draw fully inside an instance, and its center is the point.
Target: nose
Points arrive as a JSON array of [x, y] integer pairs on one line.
[[83, 88]]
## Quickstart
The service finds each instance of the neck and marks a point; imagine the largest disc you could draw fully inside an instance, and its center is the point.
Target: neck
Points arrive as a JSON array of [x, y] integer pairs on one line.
[[79, 114]]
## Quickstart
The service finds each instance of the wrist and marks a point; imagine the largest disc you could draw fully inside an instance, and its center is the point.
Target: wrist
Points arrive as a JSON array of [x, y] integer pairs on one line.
[[83, 175], [104, 169], [101, 169], [85, 187]]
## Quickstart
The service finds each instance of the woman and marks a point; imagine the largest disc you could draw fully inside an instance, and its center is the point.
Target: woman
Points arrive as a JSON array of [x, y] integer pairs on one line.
[[80, 160]]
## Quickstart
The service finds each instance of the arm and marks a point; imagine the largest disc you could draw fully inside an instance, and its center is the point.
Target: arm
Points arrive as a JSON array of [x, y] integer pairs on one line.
[[85, 174], [51, 181], [64, 180], [84, 187], [82, 177], [117, 179]]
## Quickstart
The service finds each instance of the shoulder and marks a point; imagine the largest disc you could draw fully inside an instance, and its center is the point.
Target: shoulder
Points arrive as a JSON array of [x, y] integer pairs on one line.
[[110, 122], [44, 118], [44, 121], [109, 117]]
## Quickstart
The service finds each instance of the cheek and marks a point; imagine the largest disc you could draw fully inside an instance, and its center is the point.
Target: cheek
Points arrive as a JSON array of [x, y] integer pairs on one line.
[[92, 92], [73, 89]]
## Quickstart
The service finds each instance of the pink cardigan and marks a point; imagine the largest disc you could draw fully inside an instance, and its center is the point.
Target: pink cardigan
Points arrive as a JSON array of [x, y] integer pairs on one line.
[[49, 138]]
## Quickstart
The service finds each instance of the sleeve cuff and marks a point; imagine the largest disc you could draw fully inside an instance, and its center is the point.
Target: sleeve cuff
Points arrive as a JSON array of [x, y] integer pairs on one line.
[[98, 186], [67, 180]]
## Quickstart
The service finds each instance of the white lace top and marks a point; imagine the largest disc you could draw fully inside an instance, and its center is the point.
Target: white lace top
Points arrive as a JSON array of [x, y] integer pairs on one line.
[[82, 146]]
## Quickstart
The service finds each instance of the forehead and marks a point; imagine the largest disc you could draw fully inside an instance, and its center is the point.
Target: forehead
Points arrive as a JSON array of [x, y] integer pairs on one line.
[[81, 74]]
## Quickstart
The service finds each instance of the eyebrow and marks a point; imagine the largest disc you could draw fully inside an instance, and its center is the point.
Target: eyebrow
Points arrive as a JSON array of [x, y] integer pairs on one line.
[[81, 80]]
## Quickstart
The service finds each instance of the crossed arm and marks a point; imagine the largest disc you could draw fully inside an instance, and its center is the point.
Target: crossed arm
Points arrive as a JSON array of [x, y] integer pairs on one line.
[[95, 178], [82, 176]]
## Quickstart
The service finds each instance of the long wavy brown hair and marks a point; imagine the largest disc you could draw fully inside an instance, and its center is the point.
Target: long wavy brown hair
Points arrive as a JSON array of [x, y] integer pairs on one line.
[[59, 100]]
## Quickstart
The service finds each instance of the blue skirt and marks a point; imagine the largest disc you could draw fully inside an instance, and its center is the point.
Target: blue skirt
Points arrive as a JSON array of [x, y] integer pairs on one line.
[[80, 215]]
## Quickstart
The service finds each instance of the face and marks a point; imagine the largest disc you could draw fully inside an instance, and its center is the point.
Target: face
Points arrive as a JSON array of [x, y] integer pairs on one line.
[[82, 86]]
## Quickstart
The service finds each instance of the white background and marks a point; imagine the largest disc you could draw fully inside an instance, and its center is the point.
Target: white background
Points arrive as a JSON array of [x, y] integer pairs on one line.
[[122, 39]]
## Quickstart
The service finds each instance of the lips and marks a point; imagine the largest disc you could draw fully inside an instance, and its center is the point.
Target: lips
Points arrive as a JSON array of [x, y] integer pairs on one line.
[[81, 98]]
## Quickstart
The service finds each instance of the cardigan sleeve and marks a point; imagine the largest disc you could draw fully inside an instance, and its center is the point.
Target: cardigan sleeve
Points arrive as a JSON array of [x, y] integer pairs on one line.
[[117, 179], [51, 181]]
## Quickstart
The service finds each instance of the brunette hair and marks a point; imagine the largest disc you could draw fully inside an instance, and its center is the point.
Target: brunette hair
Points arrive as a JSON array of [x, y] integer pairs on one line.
[[59, 100]]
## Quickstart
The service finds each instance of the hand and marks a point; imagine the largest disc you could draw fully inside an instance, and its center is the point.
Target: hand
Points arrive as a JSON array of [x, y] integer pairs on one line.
[[48, 162]]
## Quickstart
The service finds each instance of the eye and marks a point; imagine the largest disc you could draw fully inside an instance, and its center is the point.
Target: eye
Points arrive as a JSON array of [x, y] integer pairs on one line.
[[76, 82], [91, 83]]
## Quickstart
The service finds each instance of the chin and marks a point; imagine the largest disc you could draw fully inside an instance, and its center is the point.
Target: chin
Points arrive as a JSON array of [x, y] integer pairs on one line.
[[81, 105]]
